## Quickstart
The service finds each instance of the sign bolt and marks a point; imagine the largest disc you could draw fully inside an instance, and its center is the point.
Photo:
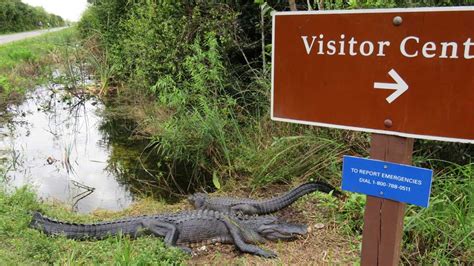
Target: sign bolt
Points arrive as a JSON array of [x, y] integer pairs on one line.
[[388, 123], [397, 21]]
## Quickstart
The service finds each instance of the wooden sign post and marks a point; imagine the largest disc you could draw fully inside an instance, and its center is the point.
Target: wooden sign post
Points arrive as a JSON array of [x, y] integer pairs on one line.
[[397, 73], [383, 218]]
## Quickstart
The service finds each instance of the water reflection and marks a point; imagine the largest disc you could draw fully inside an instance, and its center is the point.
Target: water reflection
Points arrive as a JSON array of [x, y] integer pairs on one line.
[[133, 163], [54, 144]]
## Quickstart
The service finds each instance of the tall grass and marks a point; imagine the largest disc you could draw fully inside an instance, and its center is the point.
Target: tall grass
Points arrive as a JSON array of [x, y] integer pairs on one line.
[[304, 156], [444, 232], [440, 234]]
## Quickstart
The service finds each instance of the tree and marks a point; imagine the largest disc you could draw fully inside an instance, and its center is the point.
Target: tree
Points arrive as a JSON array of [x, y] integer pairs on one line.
[[17, 16]]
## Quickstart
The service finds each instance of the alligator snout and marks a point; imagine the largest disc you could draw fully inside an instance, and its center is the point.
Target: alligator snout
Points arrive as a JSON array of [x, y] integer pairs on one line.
[[283, 231]]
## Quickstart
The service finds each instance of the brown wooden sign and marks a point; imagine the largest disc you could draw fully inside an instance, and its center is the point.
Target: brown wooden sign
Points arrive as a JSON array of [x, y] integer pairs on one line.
[[405, 72]]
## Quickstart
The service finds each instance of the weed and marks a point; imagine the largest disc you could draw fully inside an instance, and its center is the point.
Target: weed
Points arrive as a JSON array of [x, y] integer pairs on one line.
[[21, 54], [5, 86], [352, 213], [307, 156]]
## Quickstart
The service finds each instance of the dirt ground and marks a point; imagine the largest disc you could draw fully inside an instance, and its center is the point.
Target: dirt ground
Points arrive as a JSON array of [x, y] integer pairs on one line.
[[323, 245], [320, 247]]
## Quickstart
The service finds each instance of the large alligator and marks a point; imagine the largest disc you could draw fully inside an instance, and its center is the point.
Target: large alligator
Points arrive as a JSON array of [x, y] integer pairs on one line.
[[252, 206], [184, 228]]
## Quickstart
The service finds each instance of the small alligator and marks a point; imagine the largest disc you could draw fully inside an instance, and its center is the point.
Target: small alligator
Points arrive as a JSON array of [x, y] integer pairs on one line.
[[184, 228], [251, 206]]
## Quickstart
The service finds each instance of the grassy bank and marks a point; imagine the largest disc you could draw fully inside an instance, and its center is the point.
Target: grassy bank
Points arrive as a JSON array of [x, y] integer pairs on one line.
[[21, 245], [28, 62]]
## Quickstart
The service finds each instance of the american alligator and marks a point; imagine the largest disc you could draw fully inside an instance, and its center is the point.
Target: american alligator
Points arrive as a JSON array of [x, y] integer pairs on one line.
[[184, 228], [252, 206]]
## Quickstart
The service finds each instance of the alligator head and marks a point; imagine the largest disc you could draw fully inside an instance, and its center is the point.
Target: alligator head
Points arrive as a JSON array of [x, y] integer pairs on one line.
[[272, 228], [37, 221], [197, 200]]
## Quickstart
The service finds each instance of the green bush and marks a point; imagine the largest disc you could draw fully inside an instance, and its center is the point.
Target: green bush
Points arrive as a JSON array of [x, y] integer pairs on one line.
[[89, 24], [21, 55], [177, 53]]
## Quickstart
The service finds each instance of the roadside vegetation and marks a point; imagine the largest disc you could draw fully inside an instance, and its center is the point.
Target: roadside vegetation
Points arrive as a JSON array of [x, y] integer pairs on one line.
[[16, 16], [195, 78], [31, 61]]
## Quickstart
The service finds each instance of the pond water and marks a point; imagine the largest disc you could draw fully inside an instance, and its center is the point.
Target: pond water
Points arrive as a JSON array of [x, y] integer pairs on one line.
[[59, 144]]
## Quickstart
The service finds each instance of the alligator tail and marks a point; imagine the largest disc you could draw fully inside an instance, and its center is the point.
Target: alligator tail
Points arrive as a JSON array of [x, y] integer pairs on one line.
[[75, 230], [280, 202]]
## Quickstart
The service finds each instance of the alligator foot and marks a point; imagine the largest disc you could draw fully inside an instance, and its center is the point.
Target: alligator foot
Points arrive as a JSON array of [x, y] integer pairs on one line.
[[266, 254]]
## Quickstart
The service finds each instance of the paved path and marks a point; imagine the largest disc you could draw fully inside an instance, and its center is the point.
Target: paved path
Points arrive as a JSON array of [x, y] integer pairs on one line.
[[23, 35]]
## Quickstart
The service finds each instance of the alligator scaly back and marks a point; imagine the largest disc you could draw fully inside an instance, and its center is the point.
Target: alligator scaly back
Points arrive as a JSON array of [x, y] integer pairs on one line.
[[183, 228], [252, 206]]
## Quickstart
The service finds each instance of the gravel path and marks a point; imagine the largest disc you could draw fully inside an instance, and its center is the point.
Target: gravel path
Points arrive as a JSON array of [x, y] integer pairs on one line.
[[23, 35]]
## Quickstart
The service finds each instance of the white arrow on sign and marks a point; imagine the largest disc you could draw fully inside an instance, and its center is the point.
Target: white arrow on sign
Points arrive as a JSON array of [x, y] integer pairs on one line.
[[400, 86]]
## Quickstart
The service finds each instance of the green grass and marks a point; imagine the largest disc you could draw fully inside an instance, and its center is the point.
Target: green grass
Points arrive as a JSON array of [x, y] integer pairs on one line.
[[443, 233], [20, 245], [25, 63], [31, 49]]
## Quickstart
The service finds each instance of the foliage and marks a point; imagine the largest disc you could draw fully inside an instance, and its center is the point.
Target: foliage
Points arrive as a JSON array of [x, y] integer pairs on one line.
[[443, 233], [311, 156], [181, 59], [5, 86], [17, 16], [354, 4]]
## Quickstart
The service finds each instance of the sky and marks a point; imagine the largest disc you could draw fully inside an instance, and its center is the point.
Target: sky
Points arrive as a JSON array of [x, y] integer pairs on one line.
[[68, 9]]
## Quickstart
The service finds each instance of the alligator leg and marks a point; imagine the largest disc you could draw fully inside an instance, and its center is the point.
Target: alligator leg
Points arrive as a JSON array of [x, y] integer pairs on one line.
[[235, 232], [166, 230]]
